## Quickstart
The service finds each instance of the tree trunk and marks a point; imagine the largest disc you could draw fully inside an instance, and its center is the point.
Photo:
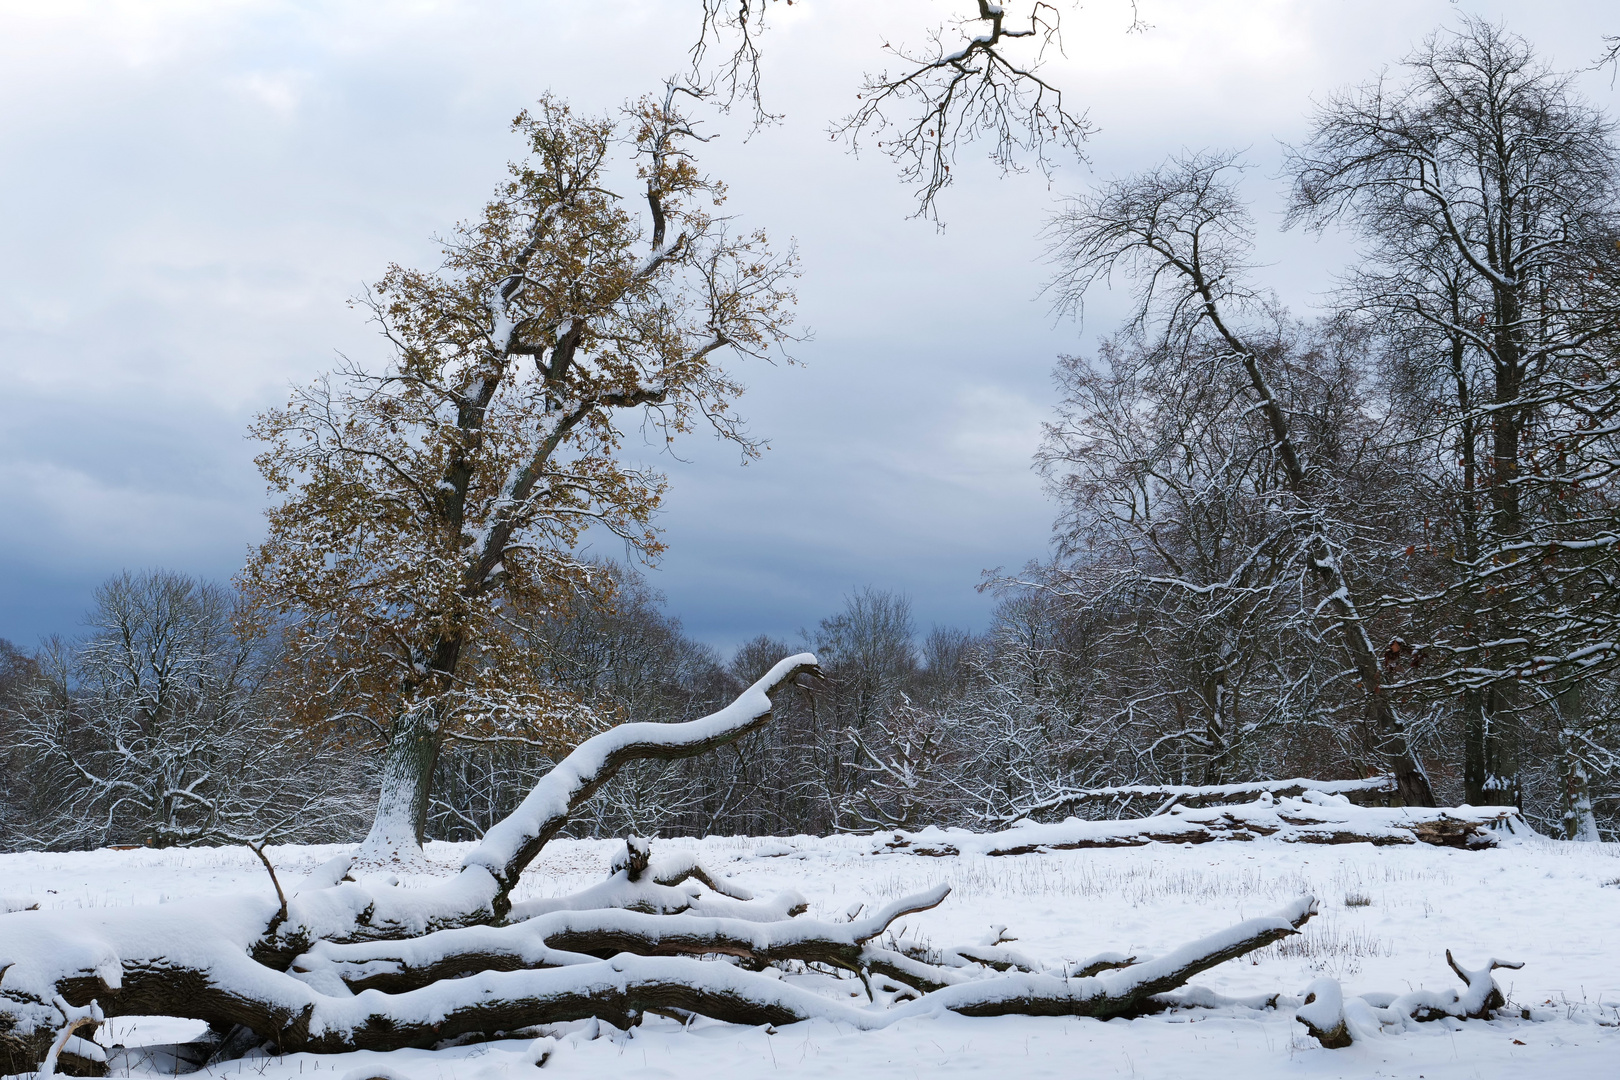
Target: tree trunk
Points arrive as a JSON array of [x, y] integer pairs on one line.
[[1394, 741], [1508, 421], [399, 828], [1501, 751], [1575, 789], [1411, 780], [1473, 705]]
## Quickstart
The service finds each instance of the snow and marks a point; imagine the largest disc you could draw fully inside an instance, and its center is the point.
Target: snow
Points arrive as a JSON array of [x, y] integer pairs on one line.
[[1555, 907], [1324, 1008], [1311, 817]]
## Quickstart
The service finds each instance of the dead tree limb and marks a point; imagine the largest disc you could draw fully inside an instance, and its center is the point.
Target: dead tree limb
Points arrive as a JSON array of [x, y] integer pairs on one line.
[[481, 892], [1312, 819], [1194, 796], [298, 1018], [984, 85], [573, 937], [1333, 1020]]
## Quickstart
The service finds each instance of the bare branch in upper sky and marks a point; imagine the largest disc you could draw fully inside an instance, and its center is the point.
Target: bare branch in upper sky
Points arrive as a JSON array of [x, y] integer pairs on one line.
[[985, 86], [1611, 53], [738, 73], [977, 79]]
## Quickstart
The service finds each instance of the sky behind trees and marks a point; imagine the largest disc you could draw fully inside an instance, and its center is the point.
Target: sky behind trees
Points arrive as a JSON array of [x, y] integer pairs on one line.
[[191, 192]]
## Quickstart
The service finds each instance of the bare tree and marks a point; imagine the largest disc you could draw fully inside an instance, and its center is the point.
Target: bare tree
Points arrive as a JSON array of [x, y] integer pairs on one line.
[[22, 794], [160, 728], [1487, 193], [870, 652], [1182, 235], [1174, 531]]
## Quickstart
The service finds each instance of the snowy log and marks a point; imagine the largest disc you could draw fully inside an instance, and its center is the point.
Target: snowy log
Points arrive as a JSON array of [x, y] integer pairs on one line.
[[1312, 818], [347, 965], [1323, 1014], [625, 986], [656, 889], [574, 937], [1333, 1020], [1369, 790], [1124, 991], [295, 1015]]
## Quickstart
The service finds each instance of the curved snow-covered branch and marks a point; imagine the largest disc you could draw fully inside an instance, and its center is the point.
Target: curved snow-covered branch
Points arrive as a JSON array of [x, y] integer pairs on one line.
[[511, 844], [223, 959], [480, 892]]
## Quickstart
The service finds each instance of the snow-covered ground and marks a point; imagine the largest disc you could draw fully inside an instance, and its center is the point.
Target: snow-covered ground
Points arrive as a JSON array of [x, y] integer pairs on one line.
[[1388, 915]]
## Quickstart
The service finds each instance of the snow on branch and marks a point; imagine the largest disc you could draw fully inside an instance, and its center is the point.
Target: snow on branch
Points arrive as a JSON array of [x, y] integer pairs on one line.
[[1313, 817], [1202, 795], [512, 843], [1336, 1021]]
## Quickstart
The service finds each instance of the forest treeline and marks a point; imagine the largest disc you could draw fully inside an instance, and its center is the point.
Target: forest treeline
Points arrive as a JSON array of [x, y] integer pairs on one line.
[[1381, 538], [163, 726]]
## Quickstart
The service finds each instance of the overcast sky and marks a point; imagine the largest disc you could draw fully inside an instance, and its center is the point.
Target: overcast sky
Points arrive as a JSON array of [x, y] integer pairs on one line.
[[191, 189]]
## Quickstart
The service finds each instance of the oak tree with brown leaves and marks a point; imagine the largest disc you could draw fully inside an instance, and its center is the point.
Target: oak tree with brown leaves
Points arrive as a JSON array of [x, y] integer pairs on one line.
[[424, 504]]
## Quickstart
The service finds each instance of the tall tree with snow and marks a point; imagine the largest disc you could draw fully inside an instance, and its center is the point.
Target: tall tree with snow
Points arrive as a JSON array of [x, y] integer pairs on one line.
[[1183, 235], [1488, 194], [424, 502]]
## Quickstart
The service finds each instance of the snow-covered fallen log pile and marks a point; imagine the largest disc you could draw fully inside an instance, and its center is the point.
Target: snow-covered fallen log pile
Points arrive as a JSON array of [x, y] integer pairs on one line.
[[1313, 817], [1336, 1021]]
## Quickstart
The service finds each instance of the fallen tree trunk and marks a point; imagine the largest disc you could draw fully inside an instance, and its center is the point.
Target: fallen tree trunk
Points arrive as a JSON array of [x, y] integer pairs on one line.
[[621, 988], [418, 992], [1333, 1019], [1312, 818], [576, 937], [1373, 790]]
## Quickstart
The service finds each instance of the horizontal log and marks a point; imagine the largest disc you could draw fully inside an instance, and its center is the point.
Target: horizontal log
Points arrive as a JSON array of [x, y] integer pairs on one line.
[[296, 1016], [627, 985], [569, 938], [1373, 790], [1311, 819]]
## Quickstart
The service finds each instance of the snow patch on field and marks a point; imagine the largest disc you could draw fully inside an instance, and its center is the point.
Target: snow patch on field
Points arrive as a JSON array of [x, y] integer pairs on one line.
[[1388, 915]]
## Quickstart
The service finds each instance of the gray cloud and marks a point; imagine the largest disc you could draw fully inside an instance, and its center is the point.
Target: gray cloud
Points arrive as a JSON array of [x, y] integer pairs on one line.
[[191, 191]]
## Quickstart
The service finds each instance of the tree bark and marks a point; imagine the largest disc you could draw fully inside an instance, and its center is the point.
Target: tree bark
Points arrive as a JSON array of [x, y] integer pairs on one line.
[[1473, 710], [1501, 749], [398, 830], [1575, 787]]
